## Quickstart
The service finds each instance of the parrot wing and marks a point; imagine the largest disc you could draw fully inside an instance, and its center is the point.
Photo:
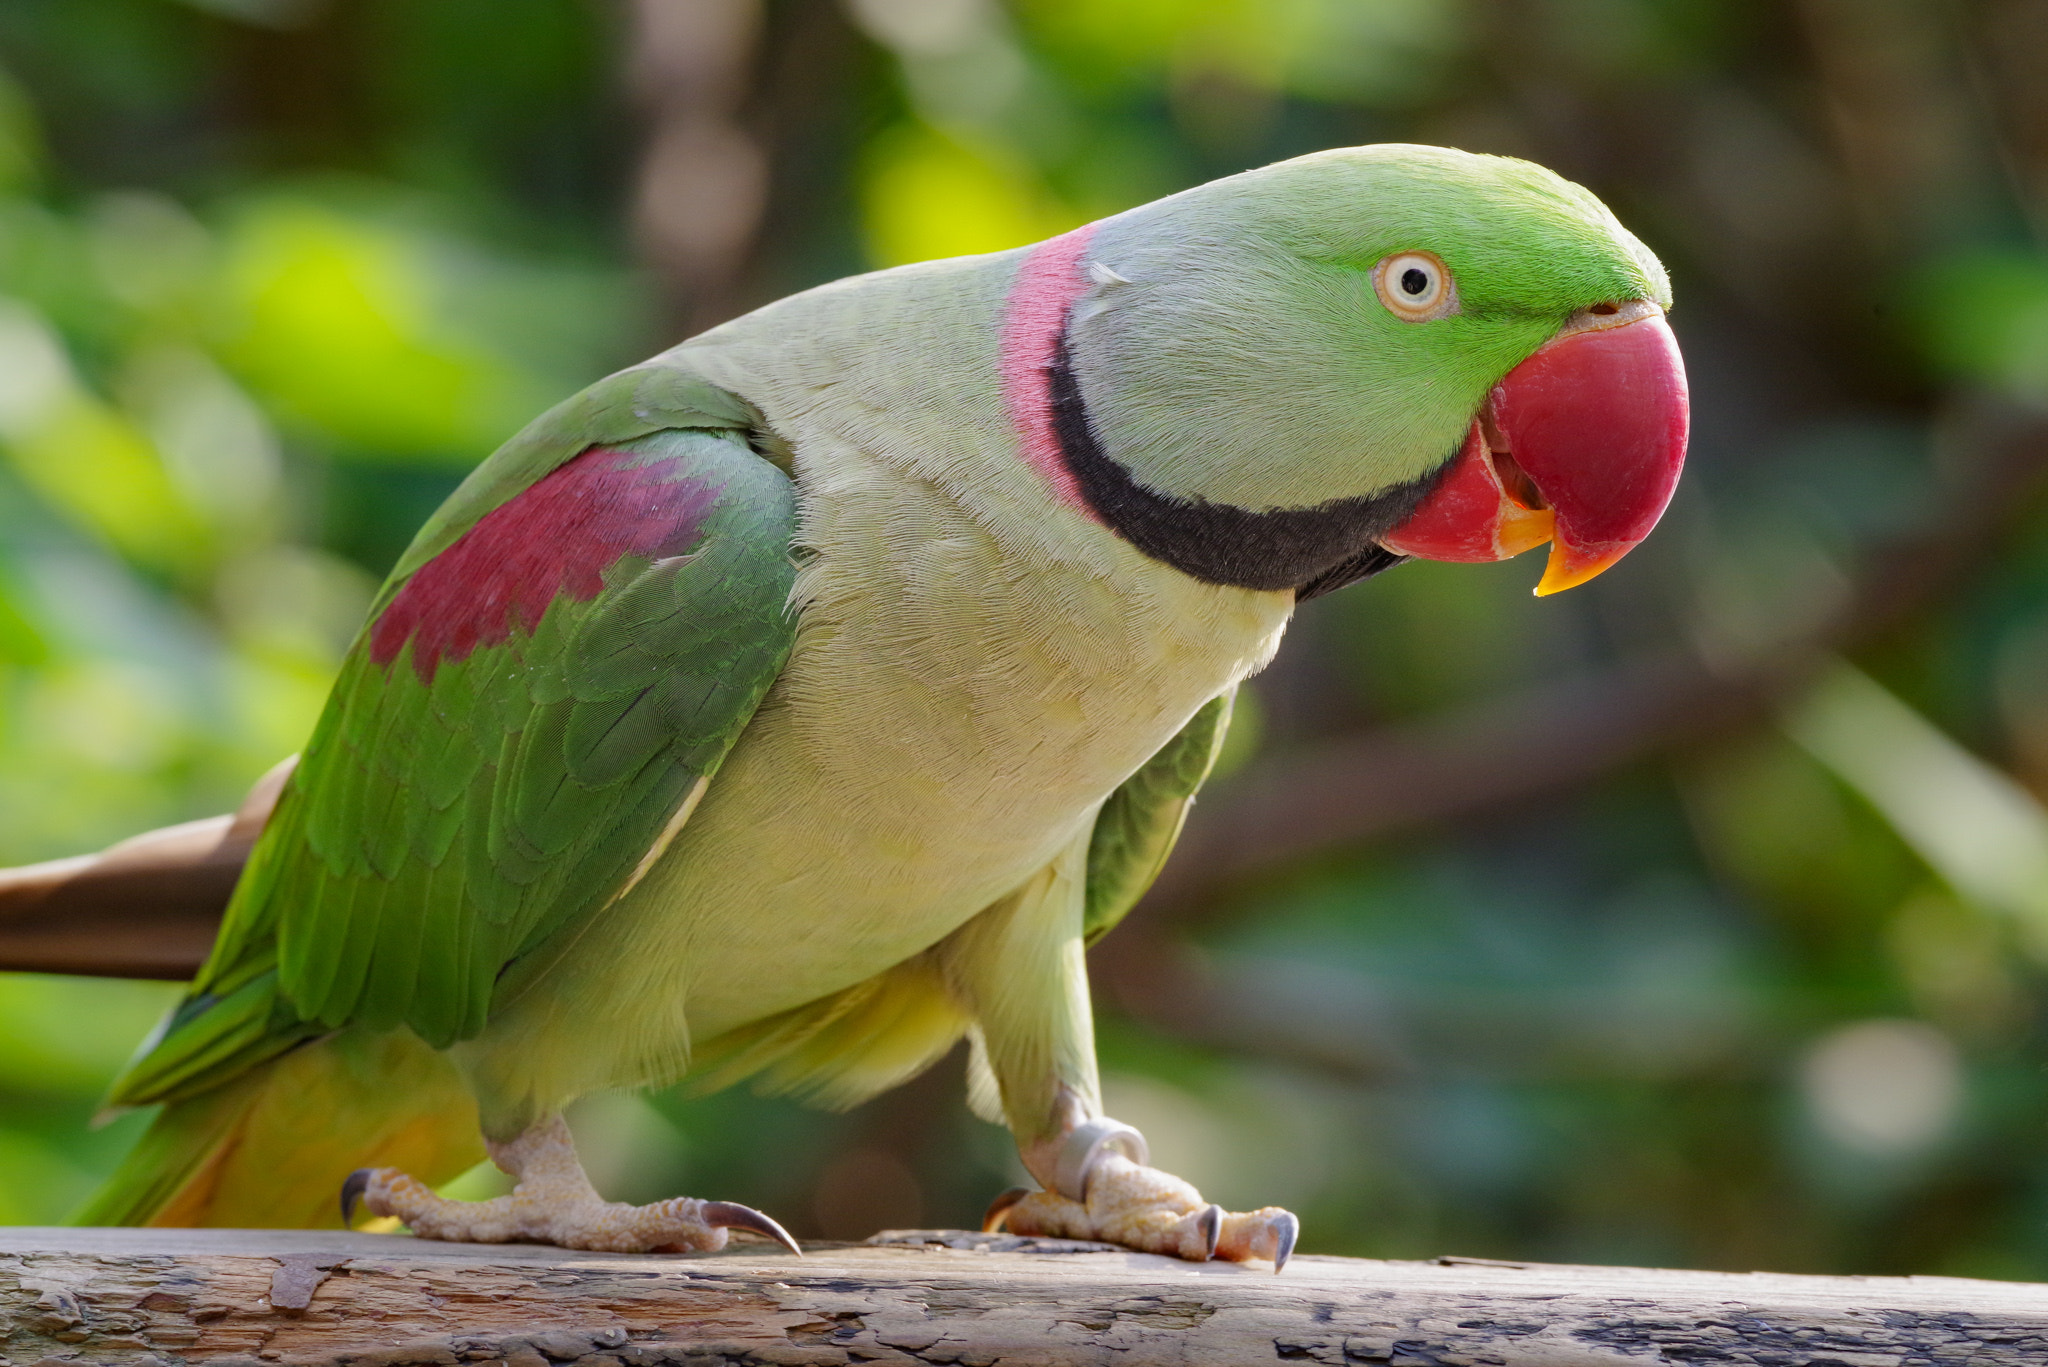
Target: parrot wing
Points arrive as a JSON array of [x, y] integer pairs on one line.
[[545, 686], [1137, 826]]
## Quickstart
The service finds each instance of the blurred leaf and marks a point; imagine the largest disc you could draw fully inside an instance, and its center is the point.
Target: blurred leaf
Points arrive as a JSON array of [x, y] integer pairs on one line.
[[1429, 635], [269, 13], [70, 1033], [86, 457], [927, 196], [44, 263], [1369, 50], [1982, 832], [21, 643], [1984, 317], [216, 444], [1954, 961], [1775, 824], [336, 324], [149, 251], [20, 140], [42, 1182]]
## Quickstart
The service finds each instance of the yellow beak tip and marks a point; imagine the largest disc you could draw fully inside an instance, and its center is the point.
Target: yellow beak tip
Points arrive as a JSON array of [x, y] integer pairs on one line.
[[1569, 567]]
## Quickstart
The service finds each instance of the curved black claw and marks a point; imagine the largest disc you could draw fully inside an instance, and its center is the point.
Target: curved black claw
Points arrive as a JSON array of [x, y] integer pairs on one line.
[[352, 1188], [999, 1209], [1286, 1229], [733, 1215], [1212, 1228]]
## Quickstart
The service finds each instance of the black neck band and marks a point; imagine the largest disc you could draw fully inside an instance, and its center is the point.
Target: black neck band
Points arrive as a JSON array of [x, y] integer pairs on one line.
[[1309, 550]]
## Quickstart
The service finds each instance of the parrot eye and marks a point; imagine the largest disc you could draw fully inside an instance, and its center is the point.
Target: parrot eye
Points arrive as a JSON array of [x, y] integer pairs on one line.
[[1415, 286]]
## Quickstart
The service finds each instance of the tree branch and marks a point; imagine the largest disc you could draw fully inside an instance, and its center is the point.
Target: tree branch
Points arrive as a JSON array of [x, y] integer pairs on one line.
[[148, 907], [703, 177]]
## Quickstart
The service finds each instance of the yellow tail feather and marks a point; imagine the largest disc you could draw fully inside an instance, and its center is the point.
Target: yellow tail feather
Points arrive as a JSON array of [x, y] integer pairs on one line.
[[270, 1149]]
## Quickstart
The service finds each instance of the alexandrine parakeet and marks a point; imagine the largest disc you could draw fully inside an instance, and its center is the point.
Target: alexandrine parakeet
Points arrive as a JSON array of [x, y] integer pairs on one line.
[[809, 697]]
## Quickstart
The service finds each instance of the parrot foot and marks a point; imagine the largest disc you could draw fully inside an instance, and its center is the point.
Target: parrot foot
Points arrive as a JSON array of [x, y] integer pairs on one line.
[[1151, 1211], [554, 1203]]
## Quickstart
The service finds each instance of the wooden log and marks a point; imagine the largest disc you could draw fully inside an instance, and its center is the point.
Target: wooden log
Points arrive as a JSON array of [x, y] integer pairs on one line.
[[256, 1297]]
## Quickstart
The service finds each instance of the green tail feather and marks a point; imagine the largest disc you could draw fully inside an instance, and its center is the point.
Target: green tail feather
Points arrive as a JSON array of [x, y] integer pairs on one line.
[[182, 1142], [211, 1038]]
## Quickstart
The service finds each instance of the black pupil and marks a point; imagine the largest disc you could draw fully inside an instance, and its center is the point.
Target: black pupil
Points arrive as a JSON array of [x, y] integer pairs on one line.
[[1414, 281]]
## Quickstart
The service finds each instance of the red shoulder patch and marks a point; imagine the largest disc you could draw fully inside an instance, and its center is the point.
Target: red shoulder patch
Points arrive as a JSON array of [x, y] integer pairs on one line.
[[556, 539]]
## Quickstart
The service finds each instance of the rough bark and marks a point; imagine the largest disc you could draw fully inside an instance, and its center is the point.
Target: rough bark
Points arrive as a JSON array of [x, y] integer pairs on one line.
[[919, 1297]]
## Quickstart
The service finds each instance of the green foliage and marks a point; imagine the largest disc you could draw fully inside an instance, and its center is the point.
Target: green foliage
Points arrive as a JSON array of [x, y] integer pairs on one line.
[[1984, 315], [274, 272]]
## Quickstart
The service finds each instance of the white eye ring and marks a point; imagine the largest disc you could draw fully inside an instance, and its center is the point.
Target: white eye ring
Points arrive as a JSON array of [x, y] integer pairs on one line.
[[1415, 286]]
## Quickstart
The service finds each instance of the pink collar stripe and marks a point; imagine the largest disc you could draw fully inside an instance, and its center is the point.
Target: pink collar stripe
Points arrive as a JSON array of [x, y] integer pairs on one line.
[[1047, 284]]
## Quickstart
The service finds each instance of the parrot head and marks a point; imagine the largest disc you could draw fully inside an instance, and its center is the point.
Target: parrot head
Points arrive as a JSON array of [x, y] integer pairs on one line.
[[1293, 377]]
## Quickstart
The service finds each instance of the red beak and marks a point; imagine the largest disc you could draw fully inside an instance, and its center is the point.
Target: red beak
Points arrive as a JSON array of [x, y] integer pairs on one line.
[[1579, 446]]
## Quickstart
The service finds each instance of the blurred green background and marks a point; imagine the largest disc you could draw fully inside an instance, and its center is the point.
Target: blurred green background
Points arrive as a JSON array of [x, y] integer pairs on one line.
[[1699, 917]]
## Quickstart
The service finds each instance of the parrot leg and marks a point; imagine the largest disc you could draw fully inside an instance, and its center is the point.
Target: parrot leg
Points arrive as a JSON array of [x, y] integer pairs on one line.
[[554, 1203], [1020, 967]]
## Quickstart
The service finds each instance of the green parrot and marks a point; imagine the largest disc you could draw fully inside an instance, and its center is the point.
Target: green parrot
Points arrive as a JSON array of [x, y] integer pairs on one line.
[[809, 697]]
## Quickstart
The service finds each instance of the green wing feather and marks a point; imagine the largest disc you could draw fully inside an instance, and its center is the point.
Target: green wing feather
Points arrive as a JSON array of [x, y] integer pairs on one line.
[[443, 823], [1138, 825]]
